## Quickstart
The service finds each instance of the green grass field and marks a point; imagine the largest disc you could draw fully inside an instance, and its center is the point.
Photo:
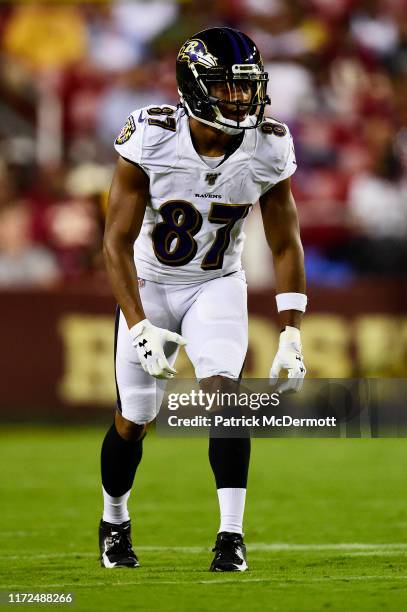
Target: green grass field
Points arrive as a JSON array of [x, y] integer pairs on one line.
[[326, 524]]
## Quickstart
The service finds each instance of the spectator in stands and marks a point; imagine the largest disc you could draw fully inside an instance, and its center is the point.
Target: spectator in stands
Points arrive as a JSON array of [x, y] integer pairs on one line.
[[337, 78], [45, 36], [374, 28], [23, 264], [75, 233], [129, 90], [378, 209]]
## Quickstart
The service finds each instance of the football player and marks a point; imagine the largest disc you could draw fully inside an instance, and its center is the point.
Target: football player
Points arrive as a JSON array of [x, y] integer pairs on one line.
[[185, 181]]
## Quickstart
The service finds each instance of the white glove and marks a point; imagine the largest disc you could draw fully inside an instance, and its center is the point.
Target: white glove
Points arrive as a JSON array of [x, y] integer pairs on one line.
[[289, 357], [149, 341]]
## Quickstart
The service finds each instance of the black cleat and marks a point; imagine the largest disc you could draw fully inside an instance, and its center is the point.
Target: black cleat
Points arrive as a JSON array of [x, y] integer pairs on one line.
[[230, 553], [115, 545]]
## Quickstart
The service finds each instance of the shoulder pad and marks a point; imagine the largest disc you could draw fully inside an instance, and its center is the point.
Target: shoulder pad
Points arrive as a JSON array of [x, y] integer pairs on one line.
[[275, 157], [146, 129], [160, 124], [272, 126], [162, 109]]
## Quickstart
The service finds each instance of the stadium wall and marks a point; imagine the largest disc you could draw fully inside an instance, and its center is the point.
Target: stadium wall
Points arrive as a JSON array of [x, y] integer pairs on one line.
[[57, 347]]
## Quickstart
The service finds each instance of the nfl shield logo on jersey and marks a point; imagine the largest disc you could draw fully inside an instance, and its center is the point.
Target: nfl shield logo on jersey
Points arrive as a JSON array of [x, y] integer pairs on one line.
[[211, 177]]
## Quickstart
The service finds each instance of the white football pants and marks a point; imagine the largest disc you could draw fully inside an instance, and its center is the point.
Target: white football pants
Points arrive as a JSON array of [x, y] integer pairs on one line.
[[211, 316]]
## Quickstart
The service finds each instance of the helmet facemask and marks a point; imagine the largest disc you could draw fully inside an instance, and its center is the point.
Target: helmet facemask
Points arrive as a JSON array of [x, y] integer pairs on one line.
[[229, 100]]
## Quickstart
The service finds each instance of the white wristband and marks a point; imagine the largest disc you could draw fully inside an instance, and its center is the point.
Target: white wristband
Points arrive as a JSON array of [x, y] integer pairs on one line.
[[291, 301]]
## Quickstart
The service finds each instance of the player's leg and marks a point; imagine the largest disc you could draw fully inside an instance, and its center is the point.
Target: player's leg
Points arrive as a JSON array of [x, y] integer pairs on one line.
[[229, 457], [139, 397], [215, 328]]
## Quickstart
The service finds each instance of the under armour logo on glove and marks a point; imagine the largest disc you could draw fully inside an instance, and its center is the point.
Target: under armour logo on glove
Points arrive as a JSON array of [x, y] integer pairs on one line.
[[143, 345], [289, 357], [299, 357], [149, 342]]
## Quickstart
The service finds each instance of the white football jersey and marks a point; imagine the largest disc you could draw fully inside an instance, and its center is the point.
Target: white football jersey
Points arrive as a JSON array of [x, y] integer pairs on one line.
[[193, 224]]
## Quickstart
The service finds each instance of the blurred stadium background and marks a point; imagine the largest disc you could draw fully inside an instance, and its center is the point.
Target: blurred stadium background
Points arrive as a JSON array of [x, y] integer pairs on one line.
[[70, 74]]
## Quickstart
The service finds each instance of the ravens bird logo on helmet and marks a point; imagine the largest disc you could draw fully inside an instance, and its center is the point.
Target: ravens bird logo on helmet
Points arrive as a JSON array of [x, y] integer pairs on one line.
[[195, 52]]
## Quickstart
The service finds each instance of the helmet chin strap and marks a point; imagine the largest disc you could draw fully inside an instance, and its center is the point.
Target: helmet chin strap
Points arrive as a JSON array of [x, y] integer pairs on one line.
[[229, 126], [231, 129]]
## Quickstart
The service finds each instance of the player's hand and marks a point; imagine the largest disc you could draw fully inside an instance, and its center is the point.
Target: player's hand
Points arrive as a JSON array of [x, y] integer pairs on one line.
[[289, 357], [149, 341]]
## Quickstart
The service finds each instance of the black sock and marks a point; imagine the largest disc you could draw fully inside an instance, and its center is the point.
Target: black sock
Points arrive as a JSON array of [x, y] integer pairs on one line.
[[119, 462], [229, 459]]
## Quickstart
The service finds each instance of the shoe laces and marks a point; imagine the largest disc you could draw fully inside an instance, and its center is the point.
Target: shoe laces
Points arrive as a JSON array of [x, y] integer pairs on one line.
[[227, 544], [119, 541]]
